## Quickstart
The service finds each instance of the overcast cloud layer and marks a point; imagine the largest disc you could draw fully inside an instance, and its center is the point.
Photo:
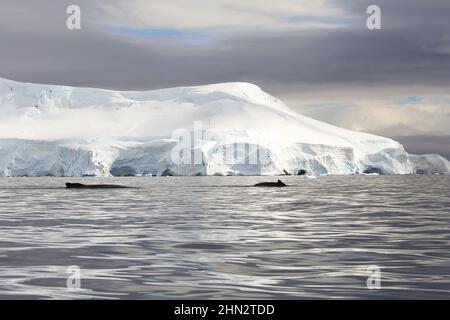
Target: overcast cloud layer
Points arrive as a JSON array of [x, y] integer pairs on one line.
[[318, 56]]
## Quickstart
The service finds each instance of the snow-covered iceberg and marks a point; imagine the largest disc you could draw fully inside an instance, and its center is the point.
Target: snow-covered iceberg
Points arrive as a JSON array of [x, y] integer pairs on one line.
[[218, 129], [429, 164]]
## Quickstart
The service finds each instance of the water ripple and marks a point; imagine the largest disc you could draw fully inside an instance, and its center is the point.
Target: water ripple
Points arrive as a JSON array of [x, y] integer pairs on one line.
[[216, 237]]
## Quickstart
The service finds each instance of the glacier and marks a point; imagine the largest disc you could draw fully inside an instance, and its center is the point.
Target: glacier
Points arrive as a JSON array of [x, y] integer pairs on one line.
[[232, 128]]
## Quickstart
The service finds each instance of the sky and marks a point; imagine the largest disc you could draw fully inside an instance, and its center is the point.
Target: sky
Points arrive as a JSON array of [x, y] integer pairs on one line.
[[319, 57]]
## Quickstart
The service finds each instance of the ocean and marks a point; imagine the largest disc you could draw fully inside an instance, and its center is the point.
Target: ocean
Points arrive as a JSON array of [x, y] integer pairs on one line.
[[221, 238]]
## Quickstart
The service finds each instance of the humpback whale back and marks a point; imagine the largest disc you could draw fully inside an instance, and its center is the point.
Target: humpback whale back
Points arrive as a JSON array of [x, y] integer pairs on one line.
[[93, 186], [279, 183]]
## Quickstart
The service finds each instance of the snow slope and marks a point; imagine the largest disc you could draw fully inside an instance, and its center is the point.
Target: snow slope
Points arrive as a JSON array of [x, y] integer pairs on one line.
[[235, 128]]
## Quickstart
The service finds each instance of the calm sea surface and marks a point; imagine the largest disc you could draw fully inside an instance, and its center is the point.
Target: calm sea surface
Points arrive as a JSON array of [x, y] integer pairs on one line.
[[217, 237]]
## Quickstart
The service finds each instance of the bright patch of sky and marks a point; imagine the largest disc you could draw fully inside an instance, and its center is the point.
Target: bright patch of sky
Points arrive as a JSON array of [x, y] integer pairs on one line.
[[218, 14], [410, 100], [339, 21], [193, 36], [147, 32]]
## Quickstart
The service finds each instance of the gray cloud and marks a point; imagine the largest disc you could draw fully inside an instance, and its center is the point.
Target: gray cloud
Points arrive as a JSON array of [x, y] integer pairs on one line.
[[425, 144], [407, 51]]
